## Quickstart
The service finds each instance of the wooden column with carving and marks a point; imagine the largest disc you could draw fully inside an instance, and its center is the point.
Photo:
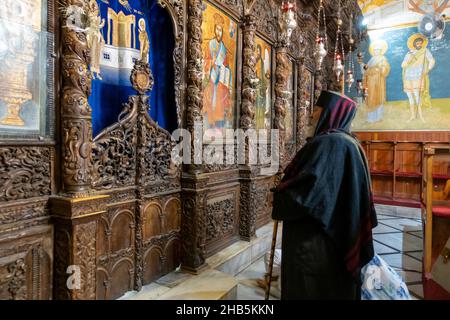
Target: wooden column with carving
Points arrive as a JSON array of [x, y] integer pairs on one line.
[[193, 183], [142, 81], [247, 173], [302, 110], [76, 210], [281, 95]]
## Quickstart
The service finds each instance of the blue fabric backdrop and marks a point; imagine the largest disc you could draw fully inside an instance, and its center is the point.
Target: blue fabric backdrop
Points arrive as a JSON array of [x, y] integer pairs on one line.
[[113, 90]]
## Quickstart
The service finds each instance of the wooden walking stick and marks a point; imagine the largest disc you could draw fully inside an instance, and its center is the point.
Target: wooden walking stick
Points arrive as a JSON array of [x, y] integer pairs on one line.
[[272, 255]]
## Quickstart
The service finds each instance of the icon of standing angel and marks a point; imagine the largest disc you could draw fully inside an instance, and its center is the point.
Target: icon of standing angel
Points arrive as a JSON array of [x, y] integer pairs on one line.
[[95, 39]]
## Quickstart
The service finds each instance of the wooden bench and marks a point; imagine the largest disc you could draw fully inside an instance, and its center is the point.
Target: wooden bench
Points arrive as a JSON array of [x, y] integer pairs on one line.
[[435, 214]]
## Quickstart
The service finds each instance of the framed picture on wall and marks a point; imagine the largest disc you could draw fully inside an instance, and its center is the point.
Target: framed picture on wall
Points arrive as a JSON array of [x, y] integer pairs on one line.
[[220, 51], [263, 54], [307, 79], [25, 88], [290, 118]]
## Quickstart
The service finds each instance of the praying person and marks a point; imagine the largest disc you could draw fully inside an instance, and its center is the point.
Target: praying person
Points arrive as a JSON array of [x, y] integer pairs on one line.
[[325, 203]]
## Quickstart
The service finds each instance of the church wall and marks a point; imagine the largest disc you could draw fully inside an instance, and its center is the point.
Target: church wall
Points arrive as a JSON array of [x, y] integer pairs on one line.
[[109, 211], [395, 141], [395, 113]]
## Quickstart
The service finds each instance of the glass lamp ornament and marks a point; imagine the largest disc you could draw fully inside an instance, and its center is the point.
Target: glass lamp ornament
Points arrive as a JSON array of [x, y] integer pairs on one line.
[[351, 66], [339, 53], [319, 53], [360, 57], [338, 67], [359, 86], [287, 23], [350, 79], [320, 50]]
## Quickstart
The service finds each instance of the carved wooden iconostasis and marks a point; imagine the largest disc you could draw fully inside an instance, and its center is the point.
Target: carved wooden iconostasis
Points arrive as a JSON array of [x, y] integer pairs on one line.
[[87, 185]]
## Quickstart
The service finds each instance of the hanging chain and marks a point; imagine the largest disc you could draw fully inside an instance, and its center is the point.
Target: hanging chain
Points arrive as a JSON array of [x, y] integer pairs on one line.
[[321, 17]]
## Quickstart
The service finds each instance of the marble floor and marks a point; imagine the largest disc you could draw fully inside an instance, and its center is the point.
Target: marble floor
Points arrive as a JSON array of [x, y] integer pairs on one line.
[[398, 240]]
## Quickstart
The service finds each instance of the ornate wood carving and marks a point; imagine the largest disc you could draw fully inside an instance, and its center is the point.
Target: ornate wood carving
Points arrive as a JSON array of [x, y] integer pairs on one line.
[[116, 251], [73, 208], [193, 230], [25, 264], [85, 236], [222, 151], [136, 143], [220, 219], [247, 214], [262, 202], [267, 17], [302, 110], [194, 103], [62, 245], [16, 279], [117, 197], [193, 223], [75, 243], [247, 120], [235, 5], [75, 246], [114, 151], [15, 212], [255, 203], [25, 172], [75, 112], [194, 95], [281, 94]]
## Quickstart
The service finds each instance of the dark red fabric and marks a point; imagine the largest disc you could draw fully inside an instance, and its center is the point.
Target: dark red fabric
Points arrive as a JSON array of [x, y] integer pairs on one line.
[[441, 211]]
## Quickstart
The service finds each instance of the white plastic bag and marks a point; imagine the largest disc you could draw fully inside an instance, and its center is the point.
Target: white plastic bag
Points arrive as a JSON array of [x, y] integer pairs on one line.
[[381, 282]]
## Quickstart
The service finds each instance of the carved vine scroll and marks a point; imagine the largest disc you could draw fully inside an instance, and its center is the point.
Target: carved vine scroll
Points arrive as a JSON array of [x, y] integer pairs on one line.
[[24, 172], [76, 112]]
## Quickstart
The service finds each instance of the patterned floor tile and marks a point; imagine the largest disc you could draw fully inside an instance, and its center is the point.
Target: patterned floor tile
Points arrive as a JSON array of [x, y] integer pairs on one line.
[[381, 228], [416, 290], [402, 261], [403, 225], [382, 249], [400, 241]]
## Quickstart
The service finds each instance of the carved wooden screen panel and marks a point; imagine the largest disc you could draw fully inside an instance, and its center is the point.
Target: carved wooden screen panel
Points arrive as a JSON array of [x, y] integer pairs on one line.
[[263, 201], [161, 241], [115, 252], [26, 265], [222, 218], [138, 237]]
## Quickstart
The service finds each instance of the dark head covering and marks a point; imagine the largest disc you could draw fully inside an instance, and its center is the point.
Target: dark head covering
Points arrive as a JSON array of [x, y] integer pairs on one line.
[[338, 112], [329, 180]]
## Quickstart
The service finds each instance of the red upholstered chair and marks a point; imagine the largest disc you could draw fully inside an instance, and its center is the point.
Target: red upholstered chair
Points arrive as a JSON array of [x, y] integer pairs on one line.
[[435, 214]]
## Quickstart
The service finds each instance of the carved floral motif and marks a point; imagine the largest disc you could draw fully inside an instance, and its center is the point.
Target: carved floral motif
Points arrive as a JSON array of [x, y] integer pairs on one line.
[[266, 13], [220, 219], [24, 172]]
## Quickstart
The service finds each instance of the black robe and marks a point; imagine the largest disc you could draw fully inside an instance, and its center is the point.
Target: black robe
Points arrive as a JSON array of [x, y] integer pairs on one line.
[[325, 203]]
